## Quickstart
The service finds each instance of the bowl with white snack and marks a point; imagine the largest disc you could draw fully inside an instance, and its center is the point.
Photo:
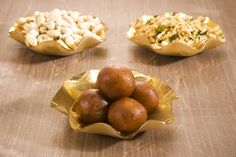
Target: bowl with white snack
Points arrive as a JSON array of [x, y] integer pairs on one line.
[[176, 34], [59, 32]]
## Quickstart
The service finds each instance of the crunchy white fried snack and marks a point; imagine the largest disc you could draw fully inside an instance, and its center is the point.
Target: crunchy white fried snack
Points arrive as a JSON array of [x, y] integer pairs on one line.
[[163, 31], [66, 28]]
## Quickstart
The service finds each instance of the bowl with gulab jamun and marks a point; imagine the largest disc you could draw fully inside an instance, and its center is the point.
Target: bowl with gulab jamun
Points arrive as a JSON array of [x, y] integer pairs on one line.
[[115, 101]]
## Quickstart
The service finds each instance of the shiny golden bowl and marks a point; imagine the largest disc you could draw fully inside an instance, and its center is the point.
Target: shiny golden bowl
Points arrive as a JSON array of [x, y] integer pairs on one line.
[[138, 34], [67, 95]]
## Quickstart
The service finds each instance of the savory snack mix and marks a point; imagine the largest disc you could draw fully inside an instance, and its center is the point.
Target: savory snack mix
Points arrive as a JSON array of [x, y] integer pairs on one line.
[[176, 34], [58, 32]]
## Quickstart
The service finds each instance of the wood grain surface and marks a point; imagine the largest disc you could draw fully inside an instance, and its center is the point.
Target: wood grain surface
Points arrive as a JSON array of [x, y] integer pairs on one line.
[[205, 113]]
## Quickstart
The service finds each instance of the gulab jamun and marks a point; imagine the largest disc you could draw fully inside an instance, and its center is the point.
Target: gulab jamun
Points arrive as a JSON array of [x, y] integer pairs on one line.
[[92, 107], [146, 94], [126, 115], [115, 82]]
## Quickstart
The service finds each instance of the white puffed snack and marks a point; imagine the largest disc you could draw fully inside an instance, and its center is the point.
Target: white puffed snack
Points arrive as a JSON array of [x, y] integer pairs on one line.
[[59, 32], [53, 33], [70, 42], [44, 37], [31, 40]]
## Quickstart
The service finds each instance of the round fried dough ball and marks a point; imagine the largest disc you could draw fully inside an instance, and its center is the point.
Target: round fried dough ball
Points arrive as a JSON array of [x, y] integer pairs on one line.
[[126, 115], [92, 107], [145, 94], [115, 82]]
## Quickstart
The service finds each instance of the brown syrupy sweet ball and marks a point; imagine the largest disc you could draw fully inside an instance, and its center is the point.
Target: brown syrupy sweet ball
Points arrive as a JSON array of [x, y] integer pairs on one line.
[[115, 82], [92, 107], [145, 94], [126, 115]]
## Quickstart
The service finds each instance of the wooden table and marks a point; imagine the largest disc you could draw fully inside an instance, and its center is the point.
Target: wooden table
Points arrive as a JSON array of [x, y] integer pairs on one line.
[[205, 113]]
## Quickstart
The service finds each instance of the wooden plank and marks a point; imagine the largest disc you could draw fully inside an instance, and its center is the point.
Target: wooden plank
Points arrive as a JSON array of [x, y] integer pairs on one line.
[[205, 112]]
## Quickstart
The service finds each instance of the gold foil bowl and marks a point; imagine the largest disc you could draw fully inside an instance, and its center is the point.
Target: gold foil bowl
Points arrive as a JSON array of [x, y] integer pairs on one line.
[[55, 48], [177, 48], [68, 94]]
